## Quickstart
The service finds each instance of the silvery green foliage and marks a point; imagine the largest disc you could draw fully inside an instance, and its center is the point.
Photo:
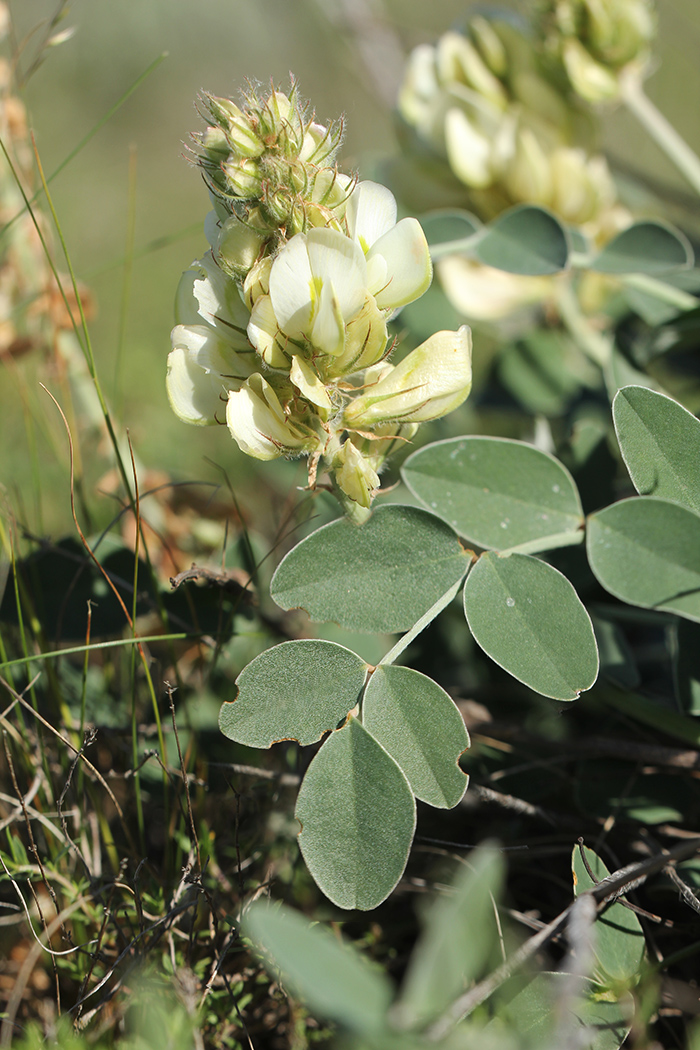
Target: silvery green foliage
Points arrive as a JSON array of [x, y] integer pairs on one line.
[[455, 952], [393, 734]]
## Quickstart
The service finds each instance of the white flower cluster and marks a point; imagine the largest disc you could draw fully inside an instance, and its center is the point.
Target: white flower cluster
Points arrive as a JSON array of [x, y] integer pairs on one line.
[[284, 338]]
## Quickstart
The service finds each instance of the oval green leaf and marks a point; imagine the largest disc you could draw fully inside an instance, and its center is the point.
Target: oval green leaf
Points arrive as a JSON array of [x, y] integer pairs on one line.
[[420, 726], [619, 941], [645, 247], [496, 492], [378, 577], [646, 551], [525, 239], [660, 444], [358, 817], [332, 978], [294, 691], [529, 619]]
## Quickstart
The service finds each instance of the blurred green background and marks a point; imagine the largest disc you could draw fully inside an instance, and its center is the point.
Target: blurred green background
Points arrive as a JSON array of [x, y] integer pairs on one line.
[[347, 56]]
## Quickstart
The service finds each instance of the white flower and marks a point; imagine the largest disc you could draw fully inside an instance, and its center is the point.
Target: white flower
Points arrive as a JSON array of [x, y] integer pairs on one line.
[[431, 381], [258, 422], [210, 353], [207, 295], [202, 369], [317, 285], [399, 269]]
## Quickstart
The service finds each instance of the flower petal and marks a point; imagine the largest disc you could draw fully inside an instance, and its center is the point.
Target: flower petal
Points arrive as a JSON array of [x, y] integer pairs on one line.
[[202, 369], [309, 385], [468, 151], [291, 287], [431, 381], [206, 294], [264, 334], [328, 331], [370, 213], [337, 259], [409, 270], [257, 422]]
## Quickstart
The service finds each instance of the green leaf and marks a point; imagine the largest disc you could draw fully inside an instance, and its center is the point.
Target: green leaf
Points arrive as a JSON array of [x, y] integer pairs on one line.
[[381, 576], [357, 816], [294, 691], [529, 619], [454, 948], [449, 230], [619, 941], [421, 728], [660, 444], [645, 247], [334, 979], [524, 240], [497, 492], [646, 551], [532, 1011]]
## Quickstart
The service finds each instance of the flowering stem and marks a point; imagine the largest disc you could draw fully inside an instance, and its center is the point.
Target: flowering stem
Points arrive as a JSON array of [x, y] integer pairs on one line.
[[663, 133]]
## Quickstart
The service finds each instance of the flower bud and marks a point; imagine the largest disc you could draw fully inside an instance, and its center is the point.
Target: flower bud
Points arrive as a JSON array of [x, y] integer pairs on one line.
[[239, 128], [589, 79], [354, 475], [260, 427], [576, 195], [431, 381], [489, 44], [238, 245], [243, 178], [458, 60]]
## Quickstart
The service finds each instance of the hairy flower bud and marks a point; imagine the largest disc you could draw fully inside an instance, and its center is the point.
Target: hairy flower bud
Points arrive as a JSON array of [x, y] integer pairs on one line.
[[355, 475]]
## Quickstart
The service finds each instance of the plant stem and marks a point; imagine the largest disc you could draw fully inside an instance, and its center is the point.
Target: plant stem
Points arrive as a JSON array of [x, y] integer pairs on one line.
[[661, 131], [427, 618], [594, 344]]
